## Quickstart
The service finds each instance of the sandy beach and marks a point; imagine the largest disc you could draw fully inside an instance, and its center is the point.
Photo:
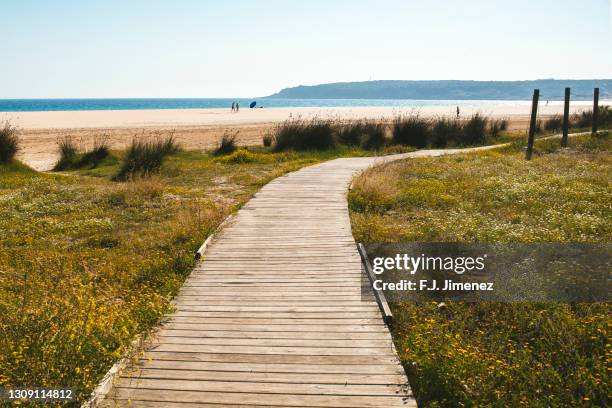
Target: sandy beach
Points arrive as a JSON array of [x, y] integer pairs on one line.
[[202, 128]]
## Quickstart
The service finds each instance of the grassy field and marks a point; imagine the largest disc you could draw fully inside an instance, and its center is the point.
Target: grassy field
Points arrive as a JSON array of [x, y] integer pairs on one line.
[[87, 263], [493, 354]]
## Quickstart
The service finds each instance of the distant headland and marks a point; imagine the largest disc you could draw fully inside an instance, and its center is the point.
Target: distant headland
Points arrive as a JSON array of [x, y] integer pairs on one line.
[[582, 89]]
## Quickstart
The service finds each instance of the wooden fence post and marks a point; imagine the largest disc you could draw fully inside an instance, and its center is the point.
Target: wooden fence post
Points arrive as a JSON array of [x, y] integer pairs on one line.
[[565, 118], [532, 123], [595, 109]]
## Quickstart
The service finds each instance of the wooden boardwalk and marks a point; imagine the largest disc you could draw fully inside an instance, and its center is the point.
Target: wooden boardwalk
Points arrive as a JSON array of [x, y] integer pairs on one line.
[[274, 315]]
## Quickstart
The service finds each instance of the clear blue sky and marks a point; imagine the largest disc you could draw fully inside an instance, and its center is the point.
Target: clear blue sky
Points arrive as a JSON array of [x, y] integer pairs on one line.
[[54, 49]]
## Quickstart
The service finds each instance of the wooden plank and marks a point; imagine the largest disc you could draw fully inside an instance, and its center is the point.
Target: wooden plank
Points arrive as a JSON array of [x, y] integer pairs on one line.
[[342, 328], [259, 387], [330, 369], [267, 350], [293, 400], [272, 358], [220, 341], [380, 296], [257, 334], [269, 377]]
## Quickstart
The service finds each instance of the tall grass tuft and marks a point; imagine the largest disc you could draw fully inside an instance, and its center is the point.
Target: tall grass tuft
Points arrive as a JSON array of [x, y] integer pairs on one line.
[[72, 158], [351, 133], [268, 139], [445, 131], [584, 119], [301, 134], [554, 123], [374, 136], [9, 142], [144, 157], [539, 128], [227, 144], [474, 130], [368, 134], [68, 153], [496, 126], [605, 116], [99, 151], [411, 130]]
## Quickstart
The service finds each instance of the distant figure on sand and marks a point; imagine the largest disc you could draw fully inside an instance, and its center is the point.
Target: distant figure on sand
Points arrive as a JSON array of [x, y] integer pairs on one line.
[[457, 112], [233, 106], [237, 106]]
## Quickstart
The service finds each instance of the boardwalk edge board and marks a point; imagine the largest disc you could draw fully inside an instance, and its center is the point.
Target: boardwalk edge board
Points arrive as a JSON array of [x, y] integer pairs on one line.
[[380, 296], [200, 252], [104, 386]]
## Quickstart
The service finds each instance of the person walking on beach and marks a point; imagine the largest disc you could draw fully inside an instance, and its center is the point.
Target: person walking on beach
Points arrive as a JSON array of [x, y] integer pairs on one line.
[[457, 112], [237, 106], [233, 105]]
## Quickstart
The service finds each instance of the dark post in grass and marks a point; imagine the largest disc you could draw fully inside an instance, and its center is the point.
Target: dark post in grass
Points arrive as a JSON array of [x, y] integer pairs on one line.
[[565, 118], [532, 123], [595, 109]]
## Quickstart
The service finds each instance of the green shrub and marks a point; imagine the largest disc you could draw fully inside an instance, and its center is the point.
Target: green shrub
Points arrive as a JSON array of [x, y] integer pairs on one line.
[[227, 144], [9, 142], [144, 157], [301, 134], [411, 130]]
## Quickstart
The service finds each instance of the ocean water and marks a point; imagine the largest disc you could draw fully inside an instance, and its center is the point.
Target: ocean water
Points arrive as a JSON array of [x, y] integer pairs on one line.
[[32, 105]]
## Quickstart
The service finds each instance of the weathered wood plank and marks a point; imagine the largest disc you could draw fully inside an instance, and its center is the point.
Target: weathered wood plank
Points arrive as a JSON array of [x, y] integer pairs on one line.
[[258, 399]]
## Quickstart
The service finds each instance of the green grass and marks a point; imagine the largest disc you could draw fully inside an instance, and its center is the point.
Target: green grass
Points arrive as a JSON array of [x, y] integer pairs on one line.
[[497, 354]]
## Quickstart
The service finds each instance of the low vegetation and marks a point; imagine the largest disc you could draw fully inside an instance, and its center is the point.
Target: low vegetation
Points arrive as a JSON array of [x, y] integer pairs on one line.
[[145, 157], [9, 142], [410, 130], [227, 144], [554, 123], [302, 134], [497, 354], [71, 157], [496, 126], [584, 119], [267, 140]]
